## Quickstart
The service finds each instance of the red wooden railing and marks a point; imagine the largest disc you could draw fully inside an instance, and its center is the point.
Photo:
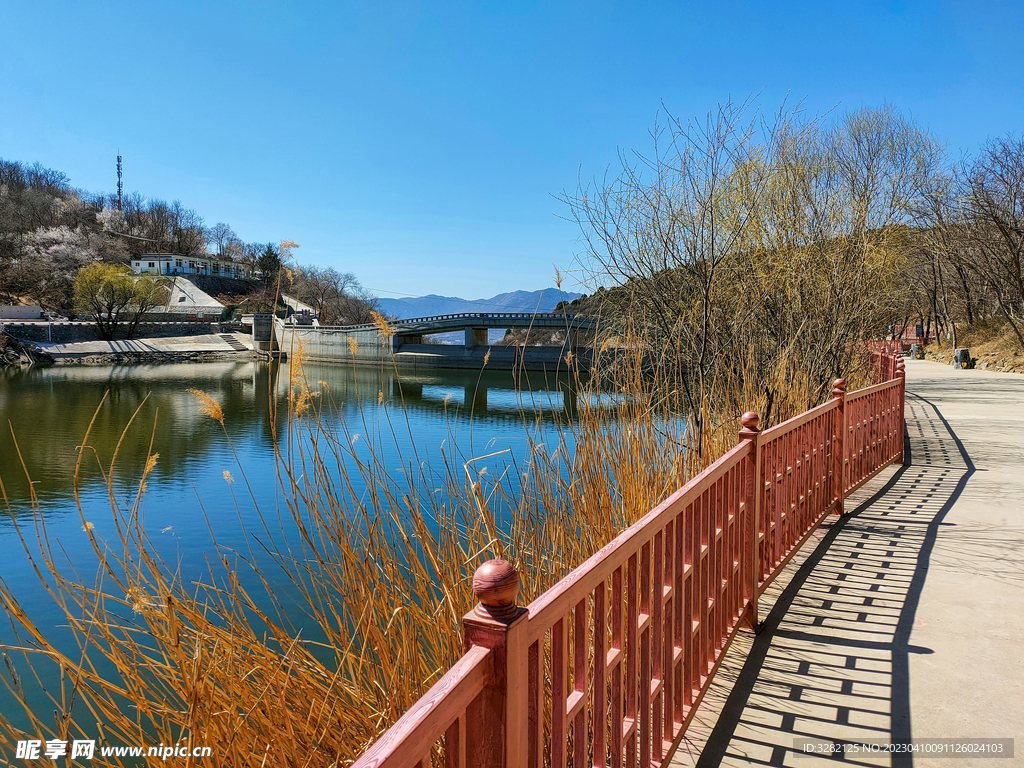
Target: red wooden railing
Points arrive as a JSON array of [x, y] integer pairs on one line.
[[608, 666], [884, 355]]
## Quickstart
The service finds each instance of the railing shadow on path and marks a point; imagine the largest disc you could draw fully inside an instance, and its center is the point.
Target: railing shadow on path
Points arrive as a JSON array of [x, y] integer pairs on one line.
[[832, 658]]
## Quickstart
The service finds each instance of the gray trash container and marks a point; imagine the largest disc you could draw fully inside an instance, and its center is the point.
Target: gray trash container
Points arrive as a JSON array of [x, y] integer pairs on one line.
[[962, 358]]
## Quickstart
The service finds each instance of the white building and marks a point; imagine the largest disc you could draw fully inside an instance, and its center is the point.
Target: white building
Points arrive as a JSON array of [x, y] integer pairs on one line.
[[176, 264], [20, 312]]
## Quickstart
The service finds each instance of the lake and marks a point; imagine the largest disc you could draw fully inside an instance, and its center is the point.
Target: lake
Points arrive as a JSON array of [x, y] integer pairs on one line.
[[46, 413]]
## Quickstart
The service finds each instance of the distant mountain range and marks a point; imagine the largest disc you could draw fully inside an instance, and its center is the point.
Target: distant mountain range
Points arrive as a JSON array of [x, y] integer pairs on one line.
[[514, 301]]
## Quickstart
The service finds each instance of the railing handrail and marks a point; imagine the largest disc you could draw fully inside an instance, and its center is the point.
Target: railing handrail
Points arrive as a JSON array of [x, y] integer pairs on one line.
[[433, 714], [546, 606], [784, 427], [719, 540], [869, 390]]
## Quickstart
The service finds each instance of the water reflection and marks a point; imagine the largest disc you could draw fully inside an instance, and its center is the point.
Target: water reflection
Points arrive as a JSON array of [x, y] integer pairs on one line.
[[190, 500], [50, 411]]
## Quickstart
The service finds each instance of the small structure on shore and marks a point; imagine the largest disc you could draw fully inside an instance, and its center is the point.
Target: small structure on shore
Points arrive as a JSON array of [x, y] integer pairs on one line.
[[20, 312], [179, 264]]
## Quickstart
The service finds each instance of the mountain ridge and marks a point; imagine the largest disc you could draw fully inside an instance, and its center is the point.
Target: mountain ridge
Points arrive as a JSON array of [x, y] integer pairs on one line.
[[544, 300]]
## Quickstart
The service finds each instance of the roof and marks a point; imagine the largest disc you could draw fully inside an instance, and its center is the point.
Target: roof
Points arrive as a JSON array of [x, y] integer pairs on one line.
[[185, 298]]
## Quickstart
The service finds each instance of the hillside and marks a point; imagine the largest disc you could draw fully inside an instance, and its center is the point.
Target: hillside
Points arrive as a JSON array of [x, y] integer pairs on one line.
[[49, 230], [514, 301]]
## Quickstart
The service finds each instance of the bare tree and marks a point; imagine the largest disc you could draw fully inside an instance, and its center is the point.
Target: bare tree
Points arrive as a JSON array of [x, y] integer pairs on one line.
[[220, 236], [235, 250], [356, 307], [188, 235], [968, 268], [993, 189], [323, 288], [752, 247]]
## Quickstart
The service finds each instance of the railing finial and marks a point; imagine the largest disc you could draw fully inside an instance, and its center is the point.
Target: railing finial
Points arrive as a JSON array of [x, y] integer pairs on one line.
[[496, 586], [750, 422], [839, 388], [901, 368]]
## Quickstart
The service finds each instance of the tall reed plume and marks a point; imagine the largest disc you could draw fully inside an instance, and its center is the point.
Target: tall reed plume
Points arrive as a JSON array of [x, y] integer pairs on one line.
[[379, 563]]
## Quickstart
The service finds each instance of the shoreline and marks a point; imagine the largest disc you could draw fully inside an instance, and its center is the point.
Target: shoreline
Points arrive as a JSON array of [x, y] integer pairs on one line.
[[210, 347], [132, 358]]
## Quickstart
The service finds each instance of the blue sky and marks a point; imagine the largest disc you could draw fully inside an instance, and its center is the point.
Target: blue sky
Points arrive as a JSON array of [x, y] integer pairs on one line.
[[420, 145]]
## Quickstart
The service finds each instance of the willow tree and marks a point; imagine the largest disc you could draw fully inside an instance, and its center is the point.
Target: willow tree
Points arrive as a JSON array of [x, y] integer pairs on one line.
[[752, 249], [113, 294]]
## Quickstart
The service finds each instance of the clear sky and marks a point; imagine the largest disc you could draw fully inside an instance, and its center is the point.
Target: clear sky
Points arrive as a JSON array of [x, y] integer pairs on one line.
[[420, 145]]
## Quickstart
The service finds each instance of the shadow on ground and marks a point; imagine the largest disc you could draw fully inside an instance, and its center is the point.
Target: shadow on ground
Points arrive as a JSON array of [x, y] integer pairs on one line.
[[832, 660]]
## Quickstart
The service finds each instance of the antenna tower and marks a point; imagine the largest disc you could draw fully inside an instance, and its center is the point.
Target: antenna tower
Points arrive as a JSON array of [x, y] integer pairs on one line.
[[120, 186]]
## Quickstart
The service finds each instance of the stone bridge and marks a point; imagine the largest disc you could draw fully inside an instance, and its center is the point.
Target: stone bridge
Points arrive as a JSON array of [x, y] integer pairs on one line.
[[366, 344]]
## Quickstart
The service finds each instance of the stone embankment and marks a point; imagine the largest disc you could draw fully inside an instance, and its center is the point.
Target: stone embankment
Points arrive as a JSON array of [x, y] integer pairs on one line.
[[201, 347], [15, 352]]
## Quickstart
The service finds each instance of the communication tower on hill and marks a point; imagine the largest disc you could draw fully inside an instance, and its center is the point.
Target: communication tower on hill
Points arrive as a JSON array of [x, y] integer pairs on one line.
[[120, 186]]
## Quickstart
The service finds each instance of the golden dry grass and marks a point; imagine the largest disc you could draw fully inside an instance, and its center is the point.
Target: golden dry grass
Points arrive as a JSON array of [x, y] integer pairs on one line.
[[208, 406], [379, 565], [384, 329]]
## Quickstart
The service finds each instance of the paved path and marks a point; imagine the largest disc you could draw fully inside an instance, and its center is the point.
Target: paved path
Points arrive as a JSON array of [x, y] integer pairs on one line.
[[905, 620], [160, 345]]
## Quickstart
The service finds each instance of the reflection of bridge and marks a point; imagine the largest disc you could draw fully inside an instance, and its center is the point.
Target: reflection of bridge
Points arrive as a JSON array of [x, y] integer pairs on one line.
[[367, 344], [513, 406], [498, 396]]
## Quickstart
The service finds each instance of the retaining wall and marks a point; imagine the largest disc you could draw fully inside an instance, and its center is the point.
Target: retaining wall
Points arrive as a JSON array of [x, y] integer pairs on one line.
[[87, 331]]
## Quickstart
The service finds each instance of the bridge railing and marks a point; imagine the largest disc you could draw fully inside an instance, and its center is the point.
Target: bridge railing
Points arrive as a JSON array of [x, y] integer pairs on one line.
[[440, 713], [577, 321], [491, 316], [609, 665]]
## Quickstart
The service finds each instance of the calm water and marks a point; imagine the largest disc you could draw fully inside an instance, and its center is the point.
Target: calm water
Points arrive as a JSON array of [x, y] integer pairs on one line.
[[45, 413]]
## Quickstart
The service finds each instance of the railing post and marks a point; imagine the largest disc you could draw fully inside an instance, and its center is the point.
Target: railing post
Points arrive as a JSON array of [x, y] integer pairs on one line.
[[496, 720], [901, 374], [754, 490], [839, 445]]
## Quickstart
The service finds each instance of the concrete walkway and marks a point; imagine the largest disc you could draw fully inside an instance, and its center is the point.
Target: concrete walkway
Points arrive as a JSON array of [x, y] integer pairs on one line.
[[904, 619], [161, 345]]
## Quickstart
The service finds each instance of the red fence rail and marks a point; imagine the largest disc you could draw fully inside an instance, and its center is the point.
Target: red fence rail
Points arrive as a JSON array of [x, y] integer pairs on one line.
[[883, 357], [609, 665]]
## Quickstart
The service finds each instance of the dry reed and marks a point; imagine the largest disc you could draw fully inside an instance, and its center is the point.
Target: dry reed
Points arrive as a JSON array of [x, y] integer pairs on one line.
[[381, 567]]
